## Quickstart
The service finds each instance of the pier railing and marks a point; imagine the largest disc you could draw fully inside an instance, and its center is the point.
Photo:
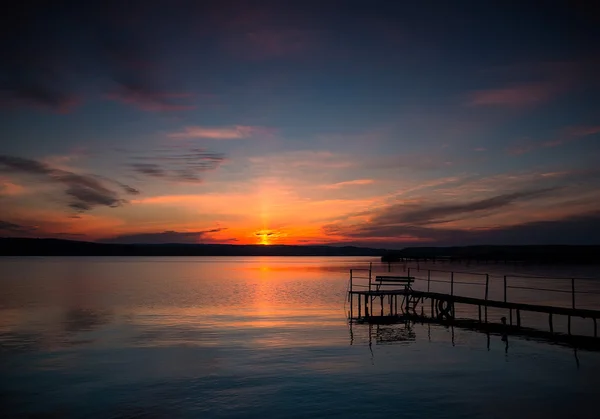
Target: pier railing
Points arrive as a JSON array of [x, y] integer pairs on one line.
[[560, 290], [570, 296]]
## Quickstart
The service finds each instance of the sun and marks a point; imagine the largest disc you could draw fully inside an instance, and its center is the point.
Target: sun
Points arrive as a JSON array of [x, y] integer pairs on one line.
[[264, 237]]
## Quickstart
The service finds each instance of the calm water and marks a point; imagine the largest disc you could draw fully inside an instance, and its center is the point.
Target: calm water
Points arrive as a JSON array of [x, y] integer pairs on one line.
[[260, 337]]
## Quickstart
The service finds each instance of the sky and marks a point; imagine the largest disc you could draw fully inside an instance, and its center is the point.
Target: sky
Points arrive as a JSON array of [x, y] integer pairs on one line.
[[371, 123]]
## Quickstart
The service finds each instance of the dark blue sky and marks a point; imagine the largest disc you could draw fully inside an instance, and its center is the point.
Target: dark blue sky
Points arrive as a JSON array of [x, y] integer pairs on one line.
[[298, 122]]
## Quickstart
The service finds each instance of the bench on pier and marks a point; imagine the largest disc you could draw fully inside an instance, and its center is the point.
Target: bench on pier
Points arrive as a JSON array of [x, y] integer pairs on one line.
[[393, 280]]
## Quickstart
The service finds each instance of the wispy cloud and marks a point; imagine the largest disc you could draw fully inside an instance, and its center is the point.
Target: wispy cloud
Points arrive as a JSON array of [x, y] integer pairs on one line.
[[32, 78], [421, 220], [266, 43], [301, 159], [9, 188], [84, 191], [153, 101], [421, 214], [235, 132], [356, 182], [582, 131], [187, 237], [567, 135], [37, 97], [518, 95], [255, 33], [574, 229], [177, 165], [14, 229]]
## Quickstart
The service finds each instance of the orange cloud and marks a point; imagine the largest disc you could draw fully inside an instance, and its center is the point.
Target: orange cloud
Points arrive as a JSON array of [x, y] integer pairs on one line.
[[356, 182], [8, 188], [48, 223], [235, 132], [302, 159]]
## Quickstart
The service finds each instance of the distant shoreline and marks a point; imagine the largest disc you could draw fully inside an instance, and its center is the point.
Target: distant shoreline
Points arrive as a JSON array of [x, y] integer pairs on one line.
[[542, 254], [60, 247]]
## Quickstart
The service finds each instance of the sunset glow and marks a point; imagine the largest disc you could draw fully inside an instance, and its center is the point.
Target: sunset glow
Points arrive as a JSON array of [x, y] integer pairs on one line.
[[274, 133]]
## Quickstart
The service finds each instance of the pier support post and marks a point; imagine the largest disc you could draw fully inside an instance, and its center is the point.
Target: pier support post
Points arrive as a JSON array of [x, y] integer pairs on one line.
[[518, 318], [569, 326], [504, 288], [359, 304], [351, 296], [550, 323], [451, 283], [428, 279], [381, 301], [487, 285], [479, 307], [595, 328], [487, 290], [432, 303], [367, 306], [573, 292], [510, 316]]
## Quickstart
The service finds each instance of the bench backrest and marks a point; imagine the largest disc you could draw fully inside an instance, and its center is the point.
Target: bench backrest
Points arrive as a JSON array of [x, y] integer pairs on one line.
[[395, 279]]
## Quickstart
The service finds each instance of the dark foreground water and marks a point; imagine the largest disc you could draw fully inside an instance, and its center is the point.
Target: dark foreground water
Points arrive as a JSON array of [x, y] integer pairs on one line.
[[254, 338]]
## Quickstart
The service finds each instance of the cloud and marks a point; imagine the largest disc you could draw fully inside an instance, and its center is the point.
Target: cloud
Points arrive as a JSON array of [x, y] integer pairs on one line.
[[174, 165], [150, 169], [189, 237], [356, 182], [534, 83], [43, 67], [311, 160], [518, 95], [430, 214], [84, 191], [34, 81], [14, 229], [568, 135], [256, 32], [260, 43], [35, 96], [572, 230], [582, 131], [152, 101], [269, 236], [578, 229], [8, 188], [131, 62], [222, 133], [419, 221]]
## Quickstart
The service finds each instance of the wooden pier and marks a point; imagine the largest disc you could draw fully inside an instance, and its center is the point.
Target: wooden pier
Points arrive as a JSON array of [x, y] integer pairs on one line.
[[392, 296]]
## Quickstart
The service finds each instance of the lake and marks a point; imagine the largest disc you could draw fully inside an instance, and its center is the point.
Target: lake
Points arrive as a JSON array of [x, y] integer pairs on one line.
[[265, 337]]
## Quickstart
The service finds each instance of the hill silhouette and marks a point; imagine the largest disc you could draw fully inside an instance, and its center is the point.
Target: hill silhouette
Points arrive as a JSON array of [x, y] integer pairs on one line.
[[59, 247]]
